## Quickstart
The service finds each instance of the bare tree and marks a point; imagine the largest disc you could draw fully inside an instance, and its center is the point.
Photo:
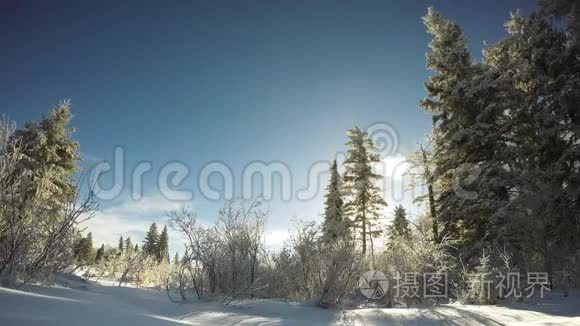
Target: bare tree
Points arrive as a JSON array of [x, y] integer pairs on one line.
[[223, 259]]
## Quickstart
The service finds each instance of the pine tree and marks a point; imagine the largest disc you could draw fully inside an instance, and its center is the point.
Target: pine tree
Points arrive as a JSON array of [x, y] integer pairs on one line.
[[51, 156], [335, 224], [482, 279], [400, 225], [90, 249], [469, 129], [121, 245], [542, 74], [83, 250], [100, 253], [176, 258], [151, 241], [365, 202], [128, 244], [163, 246], [569, 10]]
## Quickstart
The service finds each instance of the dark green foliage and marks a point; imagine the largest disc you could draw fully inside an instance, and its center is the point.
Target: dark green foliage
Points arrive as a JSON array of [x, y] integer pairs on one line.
[[335, 223], [163, 246], [505, 139], [399, 228], [151, 241], [128, 244], [100, 253], [84, 252]]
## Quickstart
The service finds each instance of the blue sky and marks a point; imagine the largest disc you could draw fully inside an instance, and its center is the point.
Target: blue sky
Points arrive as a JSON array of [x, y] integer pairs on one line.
[[232, 81]]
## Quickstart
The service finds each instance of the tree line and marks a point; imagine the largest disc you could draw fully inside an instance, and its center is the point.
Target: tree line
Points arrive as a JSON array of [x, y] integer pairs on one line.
[[501, 169]]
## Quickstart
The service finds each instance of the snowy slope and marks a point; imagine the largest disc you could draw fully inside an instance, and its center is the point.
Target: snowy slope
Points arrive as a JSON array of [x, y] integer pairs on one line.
[[94, 304]]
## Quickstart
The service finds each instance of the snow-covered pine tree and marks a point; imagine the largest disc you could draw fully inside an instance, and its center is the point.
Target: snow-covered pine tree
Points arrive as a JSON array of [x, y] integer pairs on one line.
[[399, 228], [469, 140], [100, 253], [128, 244], [151, 240], [163, 246], [90, 249], [567, 9], [121, 245], [335, 224], [364, 200], [51, 157], [540, 65]]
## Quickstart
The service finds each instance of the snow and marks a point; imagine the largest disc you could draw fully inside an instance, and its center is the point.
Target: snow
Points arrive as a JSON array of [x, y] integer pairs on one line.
[[87, 303]]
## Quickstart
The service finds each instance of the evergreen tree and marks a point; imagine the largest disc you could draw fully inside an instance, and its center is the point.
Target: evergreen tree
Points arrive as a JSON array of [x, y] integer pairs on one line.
[[128, 244], [83, 250], [570, 11], [176, 258], [335, 225], [121, 245], [51, 155], [151, 241], [163, 246], [185, 259], [400, 225], [470, 149], [136, 247], [90, 248], [100, 253], [542, 74], [365, 202]]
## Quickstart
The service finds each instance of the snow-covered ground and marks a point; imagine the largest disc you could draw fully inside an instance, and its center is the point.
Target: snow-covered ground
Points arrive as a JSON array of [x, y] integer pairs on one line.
[[97, 304]]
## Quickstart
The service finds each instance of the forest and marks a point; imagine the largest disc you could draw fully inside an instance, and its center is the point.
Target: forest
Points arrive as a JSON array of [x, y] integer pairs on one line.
[[501, 167]]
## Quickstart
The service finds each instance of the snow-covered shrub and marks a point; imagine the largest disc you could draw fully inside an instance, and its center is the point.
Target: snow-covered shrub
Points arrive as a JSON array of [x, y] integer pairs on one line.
[[408, 257], [40, 206], [309, 269], [223, 260]]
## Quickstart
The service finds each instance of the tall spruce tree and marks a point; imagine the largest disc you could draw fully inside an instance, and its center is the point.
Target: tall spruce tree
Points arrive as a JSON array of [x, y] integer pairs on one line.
[[470, 146], [335, 224], [128, 244], [163, 246], [399, 228], [100, 253], [121, 245], [365, 202], [540, 66], [83, 250], [151, 241]]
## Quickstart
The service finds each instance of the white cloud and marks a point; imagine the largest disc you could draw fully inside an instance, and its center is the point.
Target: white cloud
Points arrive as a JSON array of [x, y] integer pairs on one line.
[[132, 218], [275, 239], [394, 166], [397, 185]]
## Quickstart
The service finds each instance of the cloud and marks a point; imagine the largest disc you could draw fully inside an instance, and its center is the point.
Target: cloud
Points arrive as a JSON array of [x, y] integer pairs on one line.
[[394, 166], [274, 239], [397, 185], [132, 218]]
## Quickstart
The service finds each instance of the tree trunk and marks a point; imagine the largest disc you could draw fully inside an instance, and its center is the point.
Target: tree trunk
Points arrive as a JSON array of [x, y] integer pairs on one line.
[[577, 268], [429, 179], [364, 235]]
